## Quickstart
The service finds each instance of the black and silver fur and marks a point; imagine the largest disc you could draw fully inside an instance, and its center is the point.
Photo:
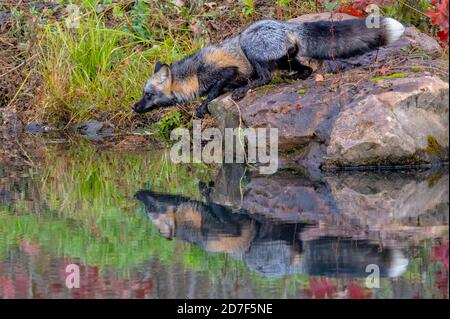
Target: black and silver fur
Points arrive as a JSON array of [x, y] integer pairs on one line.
[[247, 61]]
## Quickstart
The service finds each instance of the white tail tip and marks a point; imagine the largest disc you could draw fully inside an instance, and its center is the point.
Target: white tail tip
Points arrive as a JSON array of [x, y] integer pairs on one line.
[[399, 264], [394, 29]]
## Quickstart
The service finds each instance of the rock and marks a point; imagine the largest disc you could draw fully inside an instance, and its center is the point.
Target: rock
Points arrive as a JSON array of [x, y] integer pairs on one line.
[[407, 124], [289, 224], [37, 128], [385, 108], [94, 130], [423, 41]]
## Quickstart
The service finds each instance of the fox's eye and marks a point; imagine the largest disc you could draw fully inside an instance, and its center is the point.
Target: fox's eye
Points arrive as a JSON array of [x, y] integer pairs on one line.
[[148, 95]]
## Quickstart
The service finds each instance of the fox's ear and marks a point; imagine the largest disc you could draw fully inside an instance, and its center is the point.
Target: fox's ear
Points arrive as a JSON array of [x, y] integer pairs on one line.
[[163, 75], [158, 66]]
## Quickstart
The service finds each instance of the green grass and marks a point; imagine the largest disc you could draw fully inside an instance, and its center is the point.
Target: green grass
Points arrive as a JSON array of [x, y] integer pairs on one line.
[[95, 71]]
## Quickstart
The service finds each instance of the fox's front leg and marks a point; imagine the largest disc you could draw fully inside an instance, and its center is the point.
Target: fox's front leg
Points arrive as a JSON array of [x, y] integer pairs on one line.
[[263, 77], [227, 75]]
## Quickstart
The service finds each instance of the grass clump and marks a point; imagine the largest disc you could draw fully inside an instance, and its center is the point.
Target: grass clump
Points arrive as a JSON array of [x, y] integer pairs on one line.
[[95, 70]]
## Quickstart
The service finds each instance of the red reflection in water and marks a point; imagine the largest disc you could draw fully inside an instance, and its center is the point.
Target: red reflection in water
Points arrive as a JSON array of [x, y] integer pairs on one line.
[[320, 288]]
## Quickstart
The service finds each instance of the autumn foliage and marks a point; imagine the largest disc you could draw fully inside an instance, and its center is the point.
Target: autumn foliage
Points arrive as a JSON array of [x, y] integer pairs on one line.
[[439, 18], [437, 12]]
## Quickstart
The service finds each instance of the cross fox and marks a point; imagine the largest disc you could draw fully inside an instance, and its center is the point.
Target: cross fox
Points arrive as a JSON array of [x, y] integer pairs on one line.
[[268, 247], [247, 60]]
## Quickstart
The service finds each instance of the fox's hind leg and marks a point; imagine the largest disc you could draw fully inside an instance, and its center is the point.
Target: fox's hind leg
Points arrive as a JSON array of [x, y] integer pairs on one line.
[[263, 77]]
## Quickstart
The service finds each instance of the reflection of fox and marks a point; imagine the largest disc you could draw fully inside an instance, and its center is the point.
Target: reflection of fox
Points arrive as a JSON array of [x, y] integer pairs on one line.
[[269, 248], [212, 226], [247, 60]]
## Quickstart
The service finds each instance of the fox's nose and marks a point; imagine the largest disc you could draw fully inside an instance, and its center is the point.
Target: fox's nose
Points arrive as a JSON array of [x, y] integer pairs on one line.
[[134, 107]]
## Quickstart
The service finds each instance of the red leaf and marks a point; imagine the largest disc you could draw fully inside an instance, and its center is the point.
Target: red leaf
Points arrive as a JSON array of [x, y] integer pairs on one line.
[[439, 17]]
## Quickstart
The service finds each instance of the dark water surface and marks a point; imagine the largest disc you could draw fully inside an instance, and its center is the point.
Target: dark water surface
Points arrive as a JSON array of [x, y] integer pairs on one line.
[[141, 227]]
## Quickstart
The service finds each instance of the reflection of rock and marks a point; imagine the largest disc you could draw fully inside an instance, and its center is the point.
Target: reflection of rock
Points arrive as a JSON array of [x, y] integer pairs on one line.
[[229, 184], [365, 205], [94, 130], [288, 198], [387, 198], [353, 118], [333, 257]]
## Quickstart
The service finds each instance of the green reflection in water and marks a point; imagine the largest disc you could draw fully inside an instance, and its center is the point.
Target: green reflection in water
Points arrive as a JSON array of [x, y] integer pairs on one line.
[[79, 204]]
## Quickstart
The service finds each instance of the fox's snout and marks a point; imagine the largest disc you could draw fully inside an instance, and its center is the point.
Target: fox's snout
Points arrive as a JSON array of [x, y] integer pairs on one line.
[[135, 107], [141, 106]]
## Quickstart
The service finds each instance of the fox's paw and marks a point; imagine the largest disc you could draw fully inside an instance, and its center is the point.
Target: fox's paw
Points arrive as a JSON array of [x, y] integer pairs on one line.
[[300, 75], [238, 94], [305, 73], [200, 113]]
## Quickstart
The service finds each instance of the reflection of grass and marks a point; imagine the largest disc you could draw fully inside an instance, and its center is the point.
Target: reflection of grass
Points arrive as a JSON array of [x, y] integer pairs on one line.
[[90, 210]]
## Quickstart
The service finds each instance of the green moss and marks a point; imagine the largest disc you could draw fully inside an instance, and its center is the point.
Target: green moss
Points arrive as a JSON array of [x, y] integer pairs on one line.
[[391, 76], [267, 86], [301, 91], [433, 146], [433, 179], [277, 79], [416, 69]]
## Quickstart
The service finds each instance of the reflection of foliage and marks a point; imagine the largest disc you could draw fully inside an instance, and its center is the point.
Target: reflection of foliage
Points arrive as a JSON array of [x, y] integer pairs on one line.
[[83, 209], [320, 288], [89, 209], [429, 266]]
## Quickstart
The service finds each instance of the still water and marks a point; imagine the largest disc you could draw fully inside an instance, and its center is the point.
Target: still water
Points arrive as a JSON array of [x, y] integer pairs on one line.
[[140, 227]]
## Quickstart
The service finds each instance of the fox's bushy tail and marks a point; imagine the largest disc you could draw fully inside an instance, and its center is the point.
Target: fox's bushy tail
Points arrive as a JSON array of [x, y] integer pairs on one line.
[[347, 38]]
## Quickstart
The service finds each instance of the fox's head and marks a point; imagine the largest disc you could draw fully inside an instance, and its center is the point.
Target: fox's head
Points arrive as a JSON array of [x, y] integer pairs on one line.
[[160, 212], [157, 91]]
